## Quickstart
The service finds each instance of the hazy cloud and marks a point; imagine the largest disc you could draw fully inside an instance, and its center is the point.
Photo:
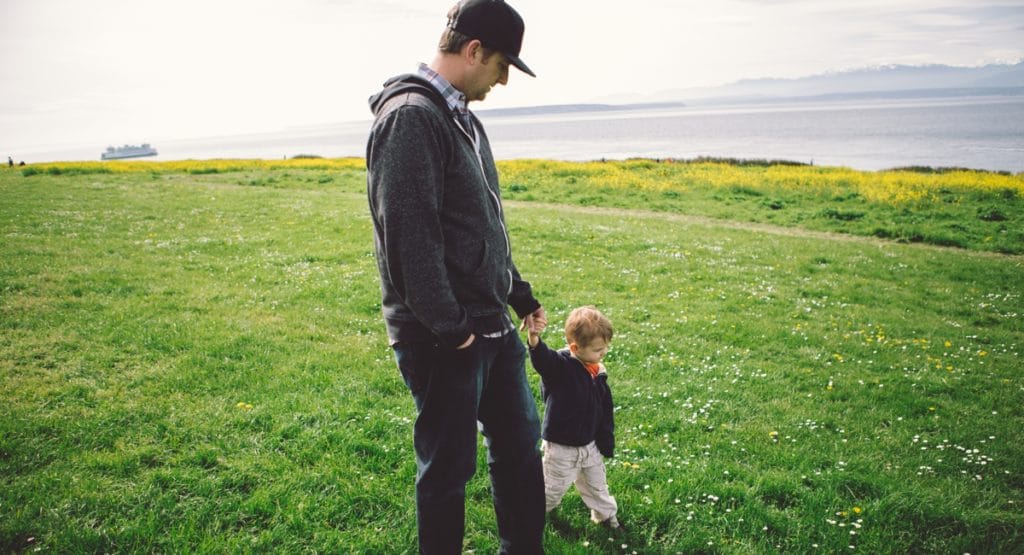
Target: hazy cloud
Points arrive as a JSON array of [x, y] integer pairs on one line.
[[123, 70]]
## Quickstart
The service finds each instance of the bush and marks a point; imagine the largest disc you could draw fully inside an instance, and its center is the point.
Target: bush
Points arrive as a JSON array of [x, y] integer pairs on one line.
[[743, 162], [991, 215], [846, 216]]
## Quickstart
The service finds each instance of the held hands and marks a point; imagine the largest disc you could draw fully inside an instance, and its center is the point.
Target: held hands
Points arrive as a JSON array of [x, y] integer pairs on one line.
[[534, 323]]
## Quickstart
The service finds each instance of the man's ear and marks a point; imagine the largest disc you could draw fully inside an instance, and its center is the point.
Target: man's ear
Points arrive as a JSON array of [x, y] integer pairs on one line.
[[471, 49]]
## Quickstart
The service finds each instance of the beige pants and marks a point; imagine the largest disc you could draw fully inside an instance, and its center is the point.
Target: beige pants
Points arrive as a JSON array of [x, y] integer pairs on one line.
[[584, 466]]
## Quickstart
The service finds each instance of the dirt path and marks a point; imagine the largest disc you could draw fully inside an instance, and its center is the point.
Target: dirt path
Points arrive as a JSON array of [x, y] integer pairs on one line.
[[751, 226]]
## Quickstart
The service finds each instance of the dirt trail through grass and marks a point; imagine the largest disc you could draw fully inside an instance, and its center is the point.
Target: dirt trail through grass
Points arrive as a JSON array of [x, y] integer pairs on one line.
[[746, 226]]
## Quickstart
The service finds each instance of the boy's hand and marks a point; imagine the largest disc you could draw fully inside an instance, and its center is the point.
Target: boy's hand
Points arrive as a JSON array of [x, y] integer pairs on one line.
[[535, 324], [537, 318]]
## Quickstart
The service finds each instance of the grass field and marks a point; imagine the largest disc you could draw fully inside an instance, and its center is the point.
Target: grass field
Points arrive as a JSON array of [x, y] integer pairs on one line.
[[192, 358]]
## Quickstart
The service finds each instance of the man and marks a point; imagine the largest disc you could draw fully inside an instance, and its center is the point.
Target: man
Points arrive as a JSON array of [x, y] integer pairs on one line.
[[447, 281]]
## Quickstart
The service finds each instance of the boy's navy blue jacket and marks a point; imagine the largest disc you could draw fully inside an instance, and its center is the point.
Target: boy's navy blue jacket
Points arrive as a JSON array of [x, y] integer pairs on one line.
[[578, 408]]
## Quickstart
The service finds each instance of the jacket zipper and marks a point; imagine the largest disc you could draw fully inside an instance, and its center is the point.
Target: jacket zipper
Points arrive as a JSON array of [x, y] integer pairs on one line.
[[494, 197]]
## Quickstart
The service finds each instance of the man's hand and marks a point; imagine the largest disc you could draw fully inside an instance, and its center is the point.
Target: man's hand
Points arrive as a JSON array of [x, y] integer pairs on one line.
[[534, 323], [468, 342]]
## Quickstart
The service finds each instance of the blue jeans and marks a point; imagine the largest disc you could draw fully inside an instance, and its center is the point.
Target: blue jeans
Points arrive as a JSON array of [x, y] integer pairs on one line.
[[453, 391]]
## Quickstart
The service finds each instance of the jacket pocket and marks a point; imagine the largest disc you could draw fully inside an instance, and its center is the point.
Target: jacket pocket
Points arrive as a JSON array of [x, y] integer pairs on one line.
[[470, 258]]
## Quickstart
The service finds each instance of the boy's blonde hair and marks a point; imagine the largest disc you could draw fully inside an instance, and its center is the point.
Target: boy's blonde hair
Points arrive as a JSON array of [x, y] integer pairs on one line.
[[586, 324]]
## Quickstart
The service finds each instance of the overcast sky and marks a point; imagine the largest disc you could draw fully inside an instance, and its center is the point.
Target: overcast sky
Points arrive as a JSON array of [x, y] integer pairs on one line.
[[115, 71]]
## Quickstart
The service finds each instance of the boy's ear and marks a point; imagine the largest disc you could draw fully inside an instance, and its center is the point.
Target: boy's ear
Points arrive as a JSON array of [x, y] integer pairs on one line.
[[573, 348]]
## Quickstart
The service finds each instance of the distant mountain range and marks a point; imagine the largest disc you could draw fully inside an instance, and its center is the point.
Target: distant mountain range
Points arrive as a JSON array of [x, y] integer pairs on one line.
[[893, 81], [939, 80], [574, 108]]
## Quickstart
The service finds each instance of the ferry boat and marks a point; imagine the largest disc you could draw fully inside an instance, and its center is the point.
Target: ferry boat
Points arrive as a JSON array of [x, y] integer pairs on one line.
[[128, 151]]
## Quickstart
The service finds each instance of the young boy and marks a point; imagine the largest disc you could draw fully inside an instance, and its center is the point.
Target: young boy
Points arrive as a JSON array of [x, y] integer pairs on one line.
[[579, 427]]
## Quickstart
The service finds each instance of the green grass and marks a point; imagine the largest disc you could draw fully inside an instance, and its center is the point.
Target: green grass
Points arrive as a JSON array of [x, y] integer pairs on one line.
[[958, 208], [194, 361]]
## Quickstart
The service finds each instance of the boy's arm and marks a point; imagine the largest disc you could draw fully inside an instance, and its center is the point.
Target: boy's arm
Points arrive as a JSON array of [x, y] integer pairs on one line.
[[605, 436], [545, 361], [535, 324]]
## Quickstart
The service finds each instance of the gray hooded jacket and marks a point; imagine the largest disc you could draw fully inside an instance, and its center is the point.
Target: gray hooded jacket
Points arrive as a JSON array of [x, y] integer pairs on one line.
[[442, 247]]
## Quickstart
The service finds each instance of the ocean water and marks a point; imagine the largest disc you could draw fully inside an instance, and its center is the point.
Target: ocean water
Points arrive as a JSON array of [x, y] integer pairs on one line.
[[973, 132], [981, 133]]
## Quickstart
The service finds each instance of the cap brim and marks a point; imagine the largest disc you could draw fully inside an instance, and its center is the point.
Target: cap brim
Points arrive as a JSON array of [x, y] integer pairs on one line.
[[519, 64]]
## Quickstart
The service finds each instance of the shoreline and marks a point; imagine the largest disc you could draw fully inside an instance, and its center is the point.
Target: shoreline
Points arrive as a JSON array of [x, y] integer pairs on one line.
[[96, 166]]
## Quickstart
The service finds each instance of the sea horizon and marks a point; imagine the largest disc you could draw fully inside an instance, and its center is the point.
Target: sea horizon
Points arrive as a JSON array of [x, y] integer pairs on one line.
[[974, 132]]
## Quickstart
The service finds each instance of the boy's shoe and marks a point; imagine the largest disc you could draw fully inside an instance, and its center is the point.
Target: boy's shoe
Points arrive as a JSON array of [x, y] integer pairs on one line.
[[613, 523]]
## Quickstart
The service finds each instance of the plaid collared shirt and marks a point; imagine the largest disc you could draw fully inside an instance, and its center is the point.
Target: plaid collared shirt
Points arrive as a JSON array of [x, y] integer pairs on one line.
[[454, 97]]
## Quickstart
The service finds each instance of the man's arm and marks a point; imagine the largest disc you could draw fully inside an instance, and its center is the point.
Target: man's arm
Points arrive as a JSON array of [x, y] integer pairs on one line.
[[406, 188], [521, 297]]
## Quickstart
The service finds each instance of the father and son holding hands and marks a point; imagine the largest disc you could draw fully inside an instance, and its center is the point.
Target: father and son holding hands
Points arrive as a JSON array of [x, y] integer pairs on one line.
[[448, 281]]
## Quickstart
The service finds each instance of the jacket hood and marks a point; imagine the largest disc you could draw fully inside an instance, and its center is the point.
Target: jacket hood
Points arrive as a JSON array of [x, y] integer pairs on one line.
[[403, 84]]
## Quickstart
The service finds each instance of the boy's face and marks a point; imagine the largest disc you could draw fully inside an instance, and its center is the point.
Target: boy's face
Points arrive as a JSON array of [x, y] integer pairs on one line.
[[591, 353]]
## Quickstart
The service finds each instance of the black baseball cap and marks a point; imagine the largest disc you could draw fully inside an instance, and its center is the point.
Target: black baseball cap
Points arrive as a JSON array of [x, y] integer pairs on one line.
[[495, 24]]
